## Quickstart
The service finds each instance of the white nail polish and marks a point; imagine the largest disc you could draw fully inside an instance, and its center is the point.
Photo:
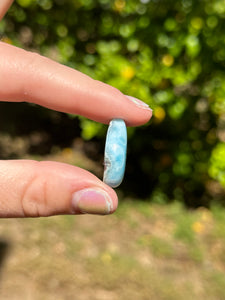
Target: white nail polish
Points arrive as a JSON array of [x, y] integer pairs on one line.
[[139, 103]]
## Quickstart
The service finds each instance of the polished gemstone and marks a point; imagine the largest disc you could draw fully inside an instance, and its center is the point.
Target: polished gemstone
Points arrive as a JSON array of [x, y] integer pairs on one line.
[[115, 153]]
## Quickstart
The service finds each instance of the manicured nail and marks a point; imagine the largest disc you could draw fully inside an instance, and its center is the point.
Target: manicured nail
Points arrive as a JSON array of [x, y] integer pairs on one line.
[[92, 201], [139, 103]]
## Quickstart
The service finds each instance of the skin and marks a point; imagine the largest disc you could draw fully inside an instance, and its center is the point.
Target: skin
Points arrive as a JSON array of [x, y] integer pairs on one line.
[[46, 188]]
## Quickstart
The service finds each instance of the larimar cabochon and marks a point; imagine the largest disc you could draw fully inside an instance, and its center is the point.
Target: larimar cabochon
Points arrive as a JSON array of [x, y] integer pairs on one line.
[[115, 153]]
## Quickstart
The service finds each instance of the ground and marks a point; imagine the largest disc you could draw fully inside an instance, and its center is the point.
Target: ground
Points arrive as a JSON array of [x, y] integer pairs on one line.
[[143, 251]]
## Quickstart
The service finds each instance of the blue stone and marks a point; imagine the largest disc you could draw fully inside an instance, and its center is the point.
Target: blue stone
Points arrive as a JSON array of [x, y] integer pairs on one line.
[[115, 153]]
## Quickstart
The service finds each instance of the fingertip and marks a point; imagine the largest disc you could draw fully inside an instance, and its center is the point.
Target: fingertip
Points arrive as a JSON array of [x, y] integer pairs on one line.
[[141, 112], [114, 199], [94, 200], [87, 193]]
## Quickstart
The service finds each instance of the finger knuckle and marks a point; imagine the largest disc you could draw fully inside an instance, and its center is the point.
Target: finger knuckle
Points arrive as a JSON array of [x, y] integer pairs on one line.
[[34, 198]]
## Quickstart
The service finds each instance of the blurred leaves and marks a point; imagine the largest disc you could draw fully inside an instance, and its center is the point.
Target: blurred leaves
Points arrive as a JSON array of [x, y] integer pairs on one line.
[[171, 54], [217, 163]]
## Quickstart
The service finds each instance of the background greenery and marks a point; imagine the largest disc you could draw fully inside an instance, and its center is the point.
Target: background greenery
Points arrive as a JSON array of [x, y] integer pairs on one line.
[[169, 53]]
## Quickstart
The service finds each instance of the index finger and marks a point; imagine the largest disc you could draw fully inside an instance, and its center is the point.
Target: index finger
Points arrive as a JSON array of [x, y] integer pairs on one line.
[[27, 76]]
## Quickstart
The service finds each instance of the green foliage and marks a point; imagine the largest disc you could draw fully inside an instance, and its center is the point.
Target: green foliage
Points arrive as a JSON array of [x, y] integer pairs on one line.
[[168, 53], [217, 168]]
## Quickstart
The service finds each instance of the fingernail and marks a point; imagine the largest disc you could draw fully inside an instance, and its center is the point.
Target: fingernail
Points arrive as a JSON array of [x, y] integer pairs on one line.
[[139, 103], [92, 201]]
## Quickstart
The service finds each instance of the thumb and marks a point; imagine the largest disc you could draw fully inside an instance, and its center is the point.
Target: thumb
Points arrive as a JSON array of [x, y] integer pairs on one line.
[[35, 189]]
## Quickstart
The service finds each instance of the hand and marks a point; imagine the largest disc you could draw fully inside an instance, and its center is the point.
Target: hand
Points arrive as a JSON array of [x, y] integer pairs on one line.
[[33, 189]]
